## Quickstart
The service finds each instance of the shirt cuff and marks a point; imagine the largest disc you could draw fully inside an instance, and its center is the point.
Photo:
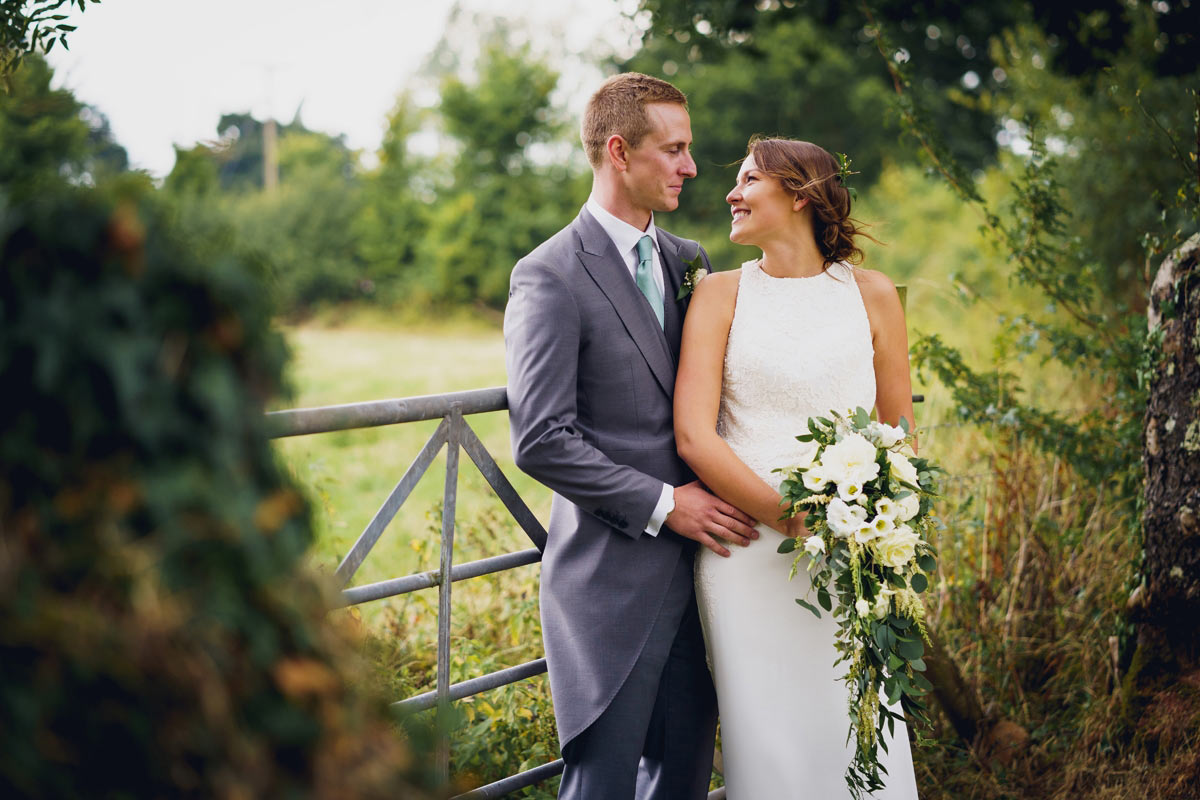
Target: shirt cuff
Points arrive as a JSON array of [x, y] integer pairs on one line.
[[666, 504]]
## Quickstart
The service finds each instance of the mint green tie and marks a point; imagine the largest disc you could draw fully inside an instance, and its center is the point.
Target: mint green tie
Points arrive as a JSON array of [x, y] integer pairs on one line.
[[645, 277]]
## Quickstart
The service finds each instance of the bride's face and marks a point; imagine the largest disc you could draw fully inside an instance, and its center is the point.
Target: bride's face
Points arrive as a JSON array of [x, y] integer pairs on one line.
[[761, 207]]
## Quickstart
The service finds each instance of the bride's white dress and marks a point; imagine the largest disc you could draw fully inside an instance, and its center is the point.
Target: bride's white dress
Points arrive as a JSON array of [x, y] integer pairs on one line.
[[798, 347]]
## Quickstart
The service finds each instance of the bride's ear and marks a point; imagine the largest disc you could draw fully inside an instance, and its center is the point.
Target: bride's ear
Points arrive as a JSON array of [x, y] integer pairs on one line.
[[799, 203]]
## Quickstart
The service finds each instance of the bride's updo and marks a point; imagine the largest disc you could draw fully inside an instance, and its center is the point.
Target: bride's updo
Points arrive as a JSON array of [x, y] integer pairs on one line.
[[807, 170]]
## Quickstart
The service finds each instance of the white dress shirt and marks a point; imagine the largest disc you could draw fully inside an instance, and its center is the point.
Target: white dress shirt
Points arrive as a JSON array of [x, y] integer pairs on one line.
[[626, 237]]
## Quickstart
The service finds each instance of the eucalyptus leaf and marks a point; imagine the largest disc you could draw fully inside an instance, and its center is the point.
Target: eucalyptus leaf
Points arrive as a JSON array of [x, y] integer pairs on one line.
[[824, 599], [927, 563], [809, 606], [787, 545], [919, 583], [910, 650]]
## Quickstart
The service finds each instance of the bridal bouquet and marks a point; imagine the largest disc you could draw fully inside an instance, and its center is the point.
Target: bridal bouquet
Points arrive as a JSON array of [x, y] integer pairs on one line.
[[866, 500]]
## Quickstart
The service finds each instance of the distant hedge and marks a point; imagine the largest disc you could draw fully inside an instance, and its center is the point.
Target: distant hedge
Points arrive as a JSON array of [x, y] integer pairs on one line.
[[159, 633]]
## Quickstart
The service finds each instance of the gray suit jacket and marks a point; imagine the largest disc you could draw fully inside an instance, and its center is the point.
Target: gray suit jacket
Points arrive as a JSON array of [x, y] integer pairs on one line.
[[590, 384]]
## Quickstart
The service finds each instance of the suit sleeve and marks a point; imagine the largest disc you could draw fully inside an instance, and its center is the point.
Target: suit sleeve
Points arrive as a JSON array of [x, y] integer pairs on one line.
[[542, 329]]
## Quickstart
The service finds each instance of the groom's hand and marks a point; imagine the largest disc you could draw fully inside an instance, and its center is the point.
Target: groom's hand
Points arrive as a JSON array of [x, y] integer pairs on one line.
[[706, 518]]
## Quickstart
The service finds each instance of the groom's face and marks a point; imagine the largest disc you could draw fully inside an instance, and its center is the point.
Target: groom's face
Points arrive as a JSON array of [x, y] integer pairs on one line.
[[662, 161]]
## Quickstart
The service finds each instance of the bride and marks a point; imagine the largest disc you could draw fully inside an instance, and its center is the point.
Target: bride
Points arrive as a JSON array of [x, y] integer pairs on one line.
[[796, 333]]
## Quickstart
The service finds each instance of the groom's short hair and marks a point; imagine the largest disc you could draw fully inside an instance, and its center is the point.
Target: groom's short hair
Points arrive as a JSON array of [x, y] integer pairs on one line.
[[619, 106]]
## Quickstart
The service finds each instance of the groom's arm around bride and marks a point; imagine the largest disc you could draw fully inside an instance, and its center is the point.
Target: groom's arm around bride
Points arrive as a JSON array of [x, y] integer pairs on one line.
[[592, 334]]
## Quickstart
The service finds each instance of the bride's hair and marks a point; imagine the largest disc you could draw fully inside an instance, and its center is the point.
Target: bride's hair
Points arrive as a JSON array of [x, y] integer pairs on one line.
[[809, 171]]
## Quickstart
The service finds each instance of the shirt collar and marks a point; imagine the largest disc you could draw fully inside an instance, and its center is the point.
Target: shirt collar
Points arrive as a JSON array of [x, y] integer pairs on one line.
[[623, 235]]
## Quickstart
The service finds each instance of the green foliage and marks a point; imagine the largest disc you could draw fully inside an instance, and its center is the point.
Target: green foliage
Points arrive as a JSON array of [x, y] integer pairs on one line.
[[32, 26], [160, 634], [805, 73], [302, 233], [502, 114], [868, 551], [495, 625], [392, 218], [46, 135], [502, 202]]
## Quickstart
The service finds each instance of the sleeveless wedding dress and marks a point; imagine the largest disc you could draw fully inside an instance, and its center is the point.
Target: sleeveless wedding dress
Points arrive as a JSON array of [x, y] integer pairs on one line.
[[798, 347]]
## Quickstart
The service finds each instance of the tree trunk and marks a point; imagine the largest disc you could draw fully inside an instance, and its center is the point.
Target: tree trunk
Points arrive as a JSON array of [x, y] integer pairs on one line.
[[1167, 604]]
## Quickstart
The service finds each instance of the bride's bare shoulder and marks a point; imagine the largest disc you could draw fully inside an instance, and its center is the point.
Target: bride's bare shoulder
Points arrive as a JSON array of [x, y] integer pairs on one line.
[[716, 294], [876, 287]]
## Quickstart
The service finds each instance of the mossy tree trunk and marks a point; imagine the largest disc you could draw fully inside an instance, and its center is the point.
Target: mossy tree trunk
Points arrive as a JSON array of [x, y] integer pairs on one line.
[[1167, 604]]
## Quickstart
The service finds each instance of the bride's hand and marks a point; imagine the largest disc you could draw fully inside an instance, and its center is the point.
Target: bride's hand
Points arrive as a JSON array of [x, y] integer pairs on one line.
[[795, 528]]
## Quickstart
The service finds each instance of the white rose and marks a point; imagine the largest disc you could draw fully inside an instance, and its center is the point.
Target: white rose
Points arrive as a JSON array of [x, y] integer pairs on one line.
[[884, 435], [883, 603], [844, 520], [862, 607], [850, 460], [896, 548], [902, 468], [886, 507], [814, 545], [907, 507]]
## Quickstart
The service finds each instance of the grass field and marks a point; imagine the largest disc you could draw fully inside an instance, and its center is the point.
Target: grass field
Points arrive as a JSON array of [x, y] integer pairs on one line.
[[349, 474]]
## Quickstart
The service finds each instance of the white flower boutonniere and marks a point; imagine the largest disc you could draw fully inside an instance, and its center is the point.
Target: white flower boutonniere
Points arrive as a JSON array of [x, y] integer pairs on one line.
[[692, 276]]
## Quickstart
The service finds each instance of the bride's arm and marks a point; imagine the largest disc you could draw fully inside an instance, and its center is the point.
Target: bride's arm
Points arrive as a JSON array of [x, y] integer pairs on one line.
[[889, 334], [698, 398]]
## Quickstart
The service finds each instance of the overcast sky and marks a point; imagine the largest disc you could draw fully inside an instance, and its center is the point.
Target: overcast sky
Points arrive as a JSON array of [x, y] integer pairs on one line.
[[163, 71]]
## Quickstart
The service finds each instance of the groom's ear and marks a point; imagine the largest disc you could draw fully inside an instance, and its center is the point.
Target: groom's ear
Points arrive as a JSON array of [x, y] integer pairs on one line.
[[618, 152]]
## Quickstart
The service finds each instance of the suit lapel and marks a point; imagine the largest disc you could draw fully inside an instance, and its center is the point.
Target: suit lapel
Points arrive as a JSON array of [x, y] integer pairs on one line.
[[603, 263], [673, 269]]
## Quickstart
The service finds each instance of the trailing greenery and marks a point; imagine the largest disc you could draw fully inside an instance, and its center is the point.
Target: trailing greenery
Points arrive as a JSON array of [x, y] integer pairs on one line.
[[160, 634]]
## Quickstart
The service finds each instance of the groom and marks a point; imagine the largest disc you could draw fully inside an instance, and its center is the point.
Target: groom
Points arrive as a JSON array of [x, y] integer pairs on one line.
[[592, 334]]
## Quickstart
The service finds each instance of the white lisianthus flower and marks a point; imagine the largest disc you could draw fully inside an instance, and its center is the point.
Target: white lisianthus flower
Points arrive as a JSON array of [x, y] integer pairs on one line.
[[884, 435], [882, 525], [862, 607], [886, 507], [814, 479], [883, 603], [850, 460], [907, 507], [902, 468], [843, 519], [851, 492], [865, 533], [897, 548], [814, 545]]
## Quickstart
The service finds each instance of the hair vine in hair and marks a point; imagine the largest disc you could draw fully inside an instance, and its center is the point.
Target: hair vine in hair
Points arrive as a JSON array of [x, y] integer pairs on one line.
[[844, 173]]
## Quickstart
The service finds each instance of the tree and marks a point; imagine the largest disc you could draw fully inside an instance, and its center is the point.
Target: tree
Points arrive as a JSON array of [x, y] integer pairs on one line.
[[152, 550], [32, 26], [393, 218], [971, 89], [503, 200], [1166, 603], [302, 232], [47, 134]]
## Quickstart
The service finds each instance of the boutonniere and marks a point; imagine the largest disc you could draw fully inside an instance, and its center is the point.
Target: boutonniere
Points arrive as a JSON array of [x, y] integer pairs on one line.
[[694, 273]]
